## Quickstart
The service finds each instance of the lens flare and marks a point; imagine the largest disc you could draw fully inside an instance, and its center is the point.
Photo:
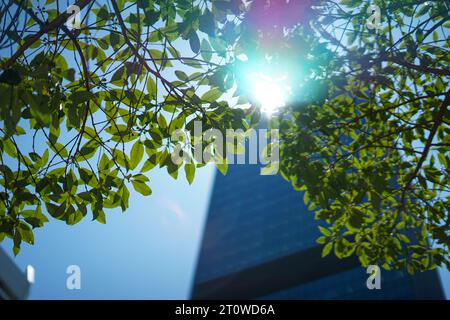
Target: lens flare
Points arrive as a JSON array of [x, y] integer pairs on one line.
[[270, 93]]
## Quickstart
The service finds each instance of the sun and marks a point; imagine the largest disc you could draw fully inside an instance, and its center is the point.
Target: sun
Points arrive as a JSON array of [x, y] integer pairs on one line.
[[270, 93]]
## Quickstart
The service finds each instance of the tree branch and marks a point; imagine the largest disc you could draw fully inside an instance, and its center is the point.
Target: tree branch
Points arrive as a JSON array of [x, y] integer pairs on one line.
[[54, 24], [437, 122]]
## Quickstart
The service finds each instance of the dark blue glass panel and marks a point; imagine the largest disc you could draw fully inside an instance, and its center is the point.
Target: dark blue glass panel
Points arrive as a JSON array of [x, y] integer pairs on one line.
[[351, 284], [252, 219]]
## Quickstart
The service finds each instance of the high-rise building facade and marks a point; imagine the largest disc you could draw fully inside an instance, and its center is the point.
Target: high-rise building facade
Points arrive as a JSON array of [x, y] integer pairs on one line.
[[259, 243]]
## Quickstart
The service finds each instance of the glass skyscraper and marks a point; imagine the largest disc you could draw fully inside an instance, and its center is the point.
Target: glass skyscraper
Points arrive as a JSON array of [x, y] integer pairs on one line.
[[259, 243]]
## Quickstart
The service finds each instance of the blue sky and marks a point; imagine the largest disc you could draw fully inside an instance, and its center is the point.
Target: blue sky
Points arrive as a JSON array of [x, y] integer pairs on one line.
[[148, 252]]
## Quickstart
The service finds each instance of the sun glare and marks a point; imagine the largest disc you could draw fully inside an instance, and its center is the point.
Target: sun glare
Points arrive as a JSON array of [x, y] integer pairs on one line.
[[270, 93]]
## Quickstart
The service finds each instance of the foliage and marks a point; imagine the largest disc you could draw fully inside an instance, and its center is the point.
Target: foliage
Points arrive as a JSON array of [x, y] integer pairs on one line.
[[366, 132], [87, 112], [364, 135]]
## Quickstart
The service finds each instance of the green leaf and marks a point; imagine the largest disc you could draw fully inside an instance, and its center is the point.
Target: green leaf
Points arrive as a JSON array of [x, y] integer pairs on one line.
[[87, 151], [327, 249], [9, 148], [324, 231], [207, 23], [212, 95], [100, 216], [189, 170], [219, 46], [79, 97], [141, 187], [356, 220], [419, 35], [223, 167], [148, 165], [151, 17], [26, 233], [16, 249], [306, 197], [194, 41], [58, 148], [181, 75], [435, 36], [172, 168], [103, 13], [34, 217], [151, 87], [114, 39], [140, 177], [162, 121], [137, 152], [403, 237], [206, 50], [321, 240], [121, 158], [119, 75]]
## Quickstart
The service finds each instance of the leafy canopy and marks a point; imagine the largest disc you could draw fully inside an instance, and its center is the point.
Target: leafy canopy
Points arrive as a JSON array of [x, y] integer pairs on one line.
[[88, 112], [366, 132]]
